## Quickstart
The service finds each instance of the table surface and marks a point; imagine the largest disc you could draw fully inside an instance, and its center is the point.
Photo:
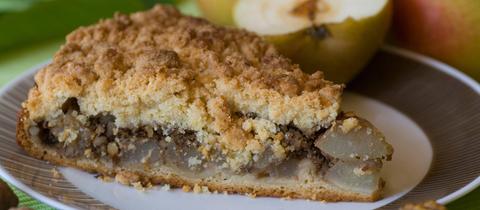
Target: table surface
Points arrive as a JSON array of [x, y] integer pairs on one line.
[[14, 62]]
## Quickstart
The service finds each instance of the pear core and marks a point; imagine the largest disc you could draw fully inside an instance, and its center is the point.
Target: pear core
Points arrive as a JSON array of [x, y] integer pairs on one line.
[[274, 17]]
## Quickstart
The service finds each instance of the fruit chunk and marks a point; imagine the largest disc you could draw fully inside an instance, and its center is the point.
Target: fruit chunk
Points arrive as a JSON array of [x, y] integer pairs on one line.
[[356, 149], [354, 138], [334, 36], [445, 29], [355, 176]]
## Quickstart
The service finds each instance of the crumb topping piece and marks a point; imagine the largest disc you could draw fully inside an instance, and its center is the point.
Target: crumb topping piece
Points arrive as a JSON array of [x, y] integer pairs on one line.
[[427, 205], [349, 124]]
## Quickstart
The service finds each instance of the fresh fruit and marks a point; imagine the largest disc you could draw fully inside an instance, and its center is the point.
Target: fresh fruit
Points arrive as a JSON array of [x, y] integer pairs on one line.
[[217, 11], [335, 36], [444, 29]]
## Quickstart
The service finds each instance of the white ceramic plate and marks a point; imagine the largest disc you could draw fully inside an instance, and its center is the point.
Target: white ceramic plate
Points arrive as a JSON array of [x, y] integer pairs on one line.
[[400, 92]]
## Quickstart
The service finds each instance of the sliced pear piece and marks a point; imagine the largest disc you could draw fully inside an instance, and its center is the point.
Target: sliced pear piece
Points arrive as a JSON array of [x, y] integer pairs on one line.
[[334, 36], [353, 138], [356, 176]]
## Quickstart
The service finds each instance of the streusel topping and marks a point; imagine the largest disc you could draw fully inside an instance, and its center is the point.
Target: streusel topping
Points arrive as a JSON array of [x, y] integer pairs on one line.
[[162, 68]]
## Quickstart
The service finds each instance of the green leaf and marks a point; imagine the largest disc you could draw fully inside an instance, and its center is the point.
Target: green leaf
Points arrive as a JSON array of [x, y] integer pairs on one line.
[[151, 3], [469, 201], [189, 7], [15, 5], [53, 19]]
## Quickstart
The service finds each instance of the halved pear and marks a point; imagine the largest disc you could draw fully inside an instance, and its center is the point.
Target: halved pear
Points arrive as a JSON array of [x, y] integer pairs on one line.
[[337, 37], [218, 11]]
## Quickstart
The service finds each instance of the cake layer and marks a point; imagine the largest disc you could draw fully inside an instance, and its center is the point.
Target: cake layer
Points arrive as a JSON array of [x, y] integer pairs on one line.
[[162, 67], [149, 161]]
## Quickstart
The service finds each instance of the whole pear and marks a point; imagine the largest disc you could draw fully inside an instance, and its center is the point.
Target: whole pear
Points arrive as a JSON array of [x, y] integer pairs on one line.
[[448, 30]]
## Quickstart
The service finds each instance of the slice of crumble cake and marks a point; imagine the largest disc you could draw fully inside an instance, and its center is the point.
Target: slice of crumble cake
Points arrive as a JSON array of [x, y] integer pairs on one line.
[[158, 97]]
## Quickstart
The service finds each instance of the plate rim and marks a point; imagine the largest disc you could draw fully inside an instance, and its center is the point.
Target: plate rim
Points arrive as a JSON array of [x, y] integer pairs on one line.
[[5, 175], [457, 74], [436, 64]]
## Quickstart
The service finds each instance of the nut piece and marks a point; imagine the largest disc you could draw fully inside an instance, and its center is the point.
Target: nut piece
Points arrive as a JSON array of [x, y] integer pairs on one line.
[[112, 149], [99, 141]]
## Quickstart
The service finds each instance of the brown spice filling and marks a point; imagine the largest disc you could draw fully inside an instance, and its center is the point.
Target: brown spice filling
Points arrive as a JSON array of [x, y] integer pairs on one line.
[[99, 138]]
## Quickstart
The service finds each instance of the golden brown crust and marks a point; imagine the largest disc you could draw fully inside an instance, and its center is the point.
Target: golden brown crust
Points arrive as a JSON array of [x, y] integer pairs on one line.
[[133, 65], [160, 68], [125, 176]]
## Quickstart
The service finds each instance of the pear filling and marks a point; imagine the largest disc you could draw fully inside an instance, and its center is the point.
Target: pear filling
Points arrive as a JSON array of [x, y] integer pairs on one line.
[[349, 154]]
